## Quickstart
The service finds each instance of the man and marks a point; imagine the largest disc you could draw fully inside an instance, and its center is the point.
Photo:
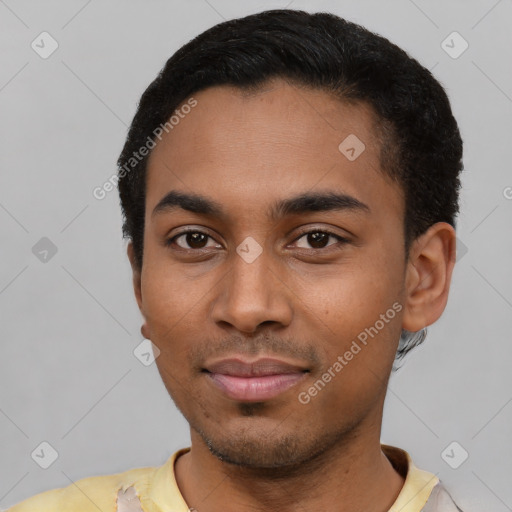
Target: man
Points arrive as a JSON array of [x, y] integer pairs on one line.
[[289, 187]]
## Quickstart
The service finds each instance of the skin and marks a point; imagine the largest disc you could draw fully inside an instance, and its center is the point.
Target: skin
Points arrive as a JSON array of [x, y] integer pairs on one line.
[[296, 301]]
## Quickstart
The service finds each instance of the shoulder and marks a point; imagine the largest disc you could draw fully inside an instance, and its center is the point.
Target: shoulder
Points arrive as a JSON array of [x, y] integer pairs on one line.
[[88, 494]]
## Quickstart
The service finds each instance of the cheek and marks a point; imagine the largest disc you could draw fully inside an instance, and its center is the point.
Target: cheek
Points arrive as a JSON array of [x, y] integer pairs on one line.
[[175, 310], [167, 294], [350, 297], [163, 310], [355, 371], [348, 397], [360, 310]]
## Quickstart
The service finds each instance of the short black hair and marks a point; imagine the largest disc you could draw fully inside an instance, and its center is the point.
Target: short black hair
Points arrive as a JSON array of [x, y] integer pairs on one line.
[[421, 147]]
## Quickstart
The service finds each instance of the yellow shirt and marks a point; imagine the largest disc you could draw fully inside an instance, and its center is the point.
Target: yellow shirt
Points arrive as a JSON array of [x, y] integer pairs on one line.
[[154, 489]]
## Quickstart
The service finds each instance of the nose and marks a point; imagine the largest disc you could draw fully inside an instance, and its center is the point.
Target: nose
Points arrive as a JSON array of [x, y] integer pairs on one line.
[[252, 294]]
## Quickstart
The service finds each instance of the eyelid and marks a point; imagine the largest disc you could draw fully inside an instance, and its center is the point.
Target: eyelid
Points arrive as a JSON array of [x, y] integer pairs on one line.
[[341, 240], [321, 229]]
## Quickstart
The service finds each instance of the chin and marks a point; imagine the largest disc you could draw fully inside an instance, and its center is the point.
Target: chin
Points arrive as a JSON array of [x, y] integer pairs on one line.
[[265, 449]]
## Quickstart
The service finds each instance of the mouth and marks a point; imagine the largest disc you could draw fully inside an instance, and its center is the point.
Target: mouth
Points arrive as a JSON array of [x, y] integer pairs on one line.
[[254, 381]]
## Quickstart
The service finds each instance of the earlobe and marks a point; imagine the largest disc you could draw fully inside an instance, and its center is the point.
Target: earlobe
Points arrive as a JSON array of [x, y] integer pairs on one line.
[[136, 275], [144, 331], [428, 278], [137, 287]]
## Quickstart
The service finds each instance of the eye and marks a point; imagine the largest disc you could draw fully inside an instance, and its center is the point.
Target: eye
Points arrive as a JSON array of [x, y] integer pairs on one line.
[[318, 239], [193, 238]]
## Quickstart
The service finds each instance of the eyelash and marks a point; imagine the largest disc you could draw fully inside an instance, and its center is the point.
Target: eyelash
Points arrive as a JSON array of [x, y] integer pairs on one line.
[[342, 240]]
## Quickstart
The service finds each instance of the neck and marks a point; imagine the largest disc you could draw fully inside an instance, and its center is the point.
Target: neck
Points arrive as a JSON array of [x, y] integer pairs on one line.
[[352, 475]]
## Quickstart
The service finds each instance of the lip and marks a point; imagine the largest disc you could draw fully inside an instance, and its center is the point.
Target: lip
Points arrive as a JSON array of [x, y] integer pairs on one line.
[[254, 381]]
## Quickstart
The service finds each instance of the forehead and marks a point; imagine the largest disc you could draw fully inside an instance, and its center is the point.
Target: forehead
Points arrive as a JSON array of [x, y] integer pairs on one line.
[[244, 149]]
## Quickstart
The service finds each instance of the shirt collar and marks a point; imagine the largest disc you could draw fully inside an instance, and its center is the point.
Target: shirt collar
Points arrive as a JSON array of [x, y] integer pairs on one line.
[[164, 491], [418, 483]]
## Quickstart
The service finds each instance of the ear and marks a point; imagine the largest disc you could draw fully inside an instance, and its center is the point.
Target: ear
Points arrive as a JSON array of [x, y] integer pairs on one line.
[[428, 276], [137, 286]]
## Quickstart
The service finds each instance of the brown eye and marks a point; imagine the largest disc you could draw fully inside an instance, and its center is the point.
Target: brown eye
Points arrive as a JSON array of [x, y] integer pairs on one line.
[[191, 240], [320, 239], [196, 240]]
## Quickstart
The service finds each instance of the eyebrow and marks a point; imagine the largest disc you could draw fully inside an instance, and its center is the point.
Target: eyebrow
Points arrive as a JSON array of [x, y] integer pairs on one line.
[[296, 205]]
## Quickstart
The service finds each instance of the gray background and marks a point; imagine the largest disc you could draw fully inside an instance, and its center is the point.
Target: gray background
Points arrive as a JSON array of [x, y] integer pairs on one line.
[[68, 375]]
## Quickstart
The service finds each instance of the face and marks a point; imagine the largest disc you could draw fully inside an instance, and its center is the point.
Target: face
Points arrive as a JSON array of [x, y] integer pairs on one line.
[[294, 255]]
